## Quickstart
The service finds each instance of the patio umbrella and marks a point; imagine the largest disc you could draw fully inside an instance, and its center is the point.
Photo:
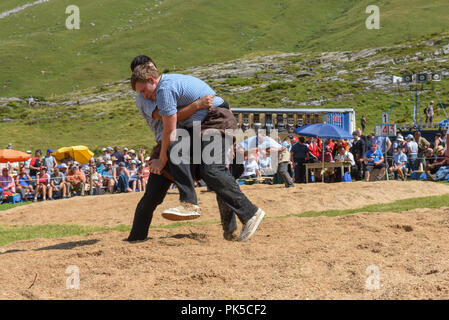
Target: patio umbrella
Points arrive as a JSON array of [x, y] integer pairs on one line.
[[323, 130], [81, 154], [10, 155]]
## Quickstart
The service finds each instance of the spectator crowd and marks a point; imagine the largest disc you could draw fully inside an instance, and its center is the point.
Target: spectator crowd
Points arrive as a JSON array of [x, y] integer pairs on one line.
[[41, 177], [368, 158]]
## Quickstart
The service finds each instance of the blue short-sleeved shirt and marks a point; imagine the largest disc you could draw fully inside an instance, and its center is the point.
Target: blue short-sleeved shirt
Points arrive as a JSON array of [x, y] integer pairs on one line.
[[146, 108], [175, 91], [399, 158], [374, 156]]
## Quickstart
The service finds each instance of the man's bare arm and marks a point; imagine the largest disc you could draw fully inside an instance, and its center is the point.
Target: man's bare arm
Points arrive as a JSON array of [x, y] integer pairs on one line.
[[184, 113]]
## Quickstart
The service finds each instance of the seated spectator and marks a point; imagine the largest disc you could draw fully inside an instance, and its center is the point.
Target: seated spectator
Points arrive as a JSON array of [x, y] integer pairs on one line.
[[100, 165], [146, 171], [327, 155], [343, 156], [435, 162], [97, 181], [251, 168], [121, 178], [23, 183], [108, 177], [399, 163], [133, 178], [264, 163], [63, 169], [75, 180], [42, 181], [7, 183], [374, 159], [141, 179], [438, 142], [57, 184]]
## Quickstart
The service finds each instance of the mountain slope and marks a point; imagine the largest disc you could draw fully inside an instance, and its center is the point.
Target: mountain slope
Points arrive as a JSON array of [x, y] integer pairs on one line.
[[39, 56]]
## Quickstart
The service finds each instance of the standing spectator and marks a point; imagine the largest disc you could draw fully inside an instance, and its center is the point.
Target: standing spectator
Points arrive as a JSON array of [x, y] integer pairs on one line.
[[364, 139], [299, 155], [57, 184], [374, 160], [118, 155], [429, 114], [23, 183], [423, 144], [49, 161], [284, 161], [412, 152], [42, 181], [35, 164], [358, 151], [108, 177], [363, 123], [27, 162]]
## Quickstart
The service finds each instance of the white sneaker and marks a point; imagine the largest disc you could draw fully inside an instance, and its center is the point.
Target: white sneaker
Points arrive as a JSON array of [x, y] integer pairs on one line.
[[185, 211], [250, 227]]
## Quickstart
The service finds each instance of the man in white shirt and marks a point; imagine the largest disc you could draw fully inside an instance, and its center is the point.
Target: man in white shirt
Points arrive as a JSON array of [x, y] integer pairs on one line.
[[343, 156]]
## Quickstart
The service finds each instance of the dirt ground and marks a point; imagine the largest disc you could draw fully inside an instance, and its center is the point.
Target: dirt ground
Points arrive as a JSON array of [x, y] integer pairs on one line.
[[287, 258]]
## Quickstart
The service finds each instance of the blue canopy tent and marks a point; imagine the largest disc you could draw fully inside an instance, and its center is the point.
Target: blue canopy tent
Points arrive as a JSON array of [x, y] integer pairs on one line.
[[323, 130]]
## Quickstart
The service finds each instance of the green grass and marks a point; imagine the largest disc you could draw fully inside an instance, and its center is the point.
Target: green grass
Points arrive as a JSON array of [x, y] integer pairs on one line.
[[41, 57], [432, 202], [7, 206], [10, 234]]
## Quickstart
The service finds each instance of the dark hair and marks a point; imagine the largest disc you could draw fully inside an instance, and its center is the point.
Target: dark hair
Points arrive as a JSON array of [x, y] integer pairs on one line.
[[137, 61], [301, 139]]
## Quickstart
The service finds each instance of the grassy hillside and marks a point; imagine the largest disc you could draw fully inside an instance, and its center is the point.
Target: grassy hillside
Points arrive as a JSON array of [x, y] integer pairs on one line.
[[359, 80], [39, 56]]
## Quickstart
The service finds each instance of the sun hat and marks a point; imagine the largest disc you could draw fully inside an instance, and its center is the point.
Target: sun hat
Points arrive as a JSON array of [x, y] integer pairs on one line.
[[133, 162], [125, 149], [147, 159], [400, 138], [64, 166], [109, 162], [49, 150], [29, 151], [409, 137], [132, 151], [104, 149]]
